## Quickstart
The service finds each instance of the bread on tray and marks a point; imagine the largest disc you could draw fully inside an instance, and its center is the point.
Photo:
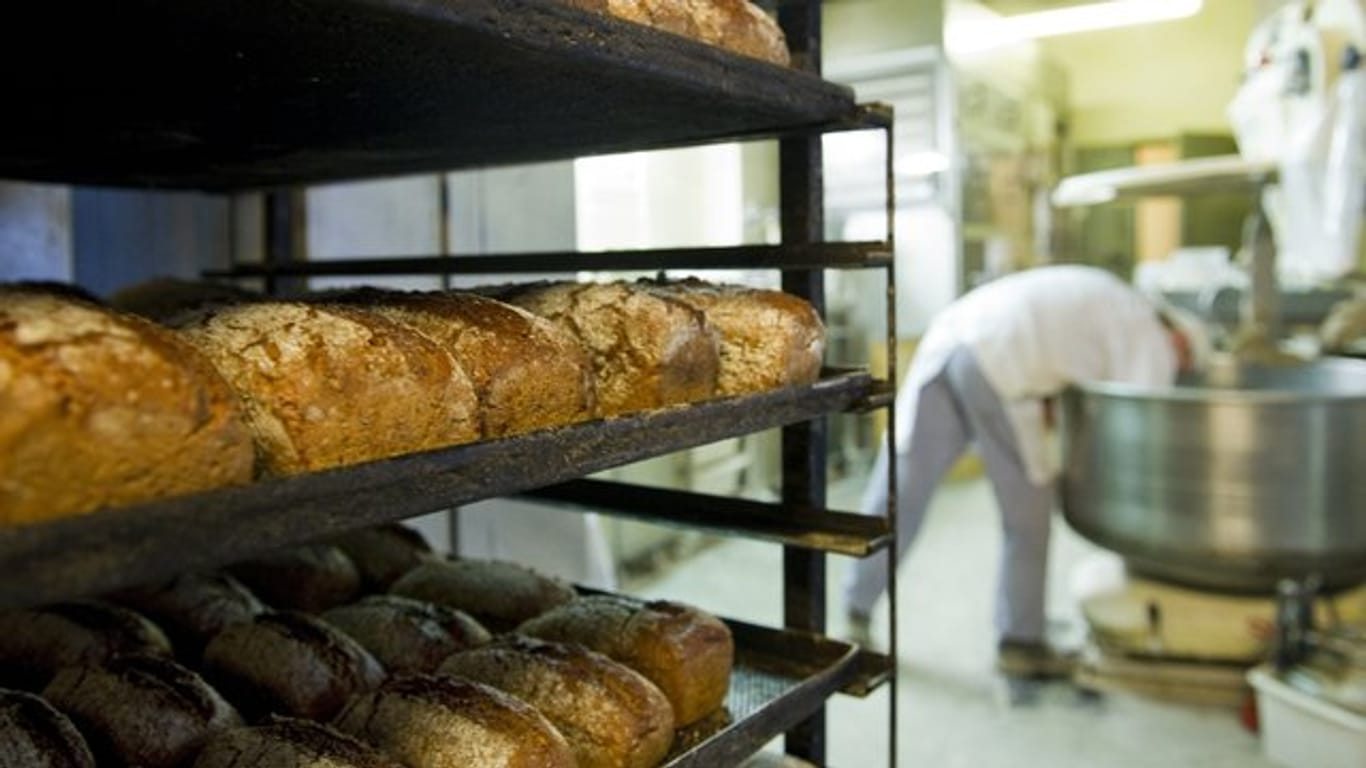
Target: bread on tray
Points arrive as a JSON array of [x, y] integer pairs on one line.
[[500, 595]]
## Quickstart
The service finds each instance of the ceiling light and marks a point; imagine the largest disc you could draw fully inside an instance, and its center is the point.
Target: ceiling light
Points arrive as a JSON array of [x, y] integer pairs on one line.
[[981, 34]]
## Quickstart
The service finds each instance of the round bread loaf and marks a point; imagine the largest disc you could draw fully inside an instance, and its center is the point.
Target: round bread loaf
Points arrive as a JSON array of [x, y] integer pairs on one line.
[[687, 652], [435, 721], [192, 608], [87, 392], [37, 642], [407, 635], [497, 594], [611, 716], [141, 710], [769, 339], [311, 578], [647, 351], [384, 553], [324, 385], [290, 664], [528, 372], [34, 735], [286, 742]]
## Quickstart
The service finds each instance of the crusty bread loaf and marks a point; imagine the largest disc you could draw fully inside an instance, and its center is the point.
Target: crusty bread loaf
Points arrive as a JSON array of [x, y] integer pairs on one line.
[[311, 578], [192, 608], [407, 635], [286, 742], [36, 642], [528, 372], [687, 652], [648, 351], [769, 339], [101, 409], [736, 25], [435, 721], [384, 553], [35, 735], [141, 710], [325, 385], [163, 299], [290, 664], [497, 594], [611, 716]]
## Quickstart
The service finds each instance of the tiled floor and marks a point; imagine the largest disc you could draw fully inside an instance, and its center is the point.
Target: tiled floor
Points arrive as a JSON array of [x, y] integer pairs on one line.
[[953, 710]]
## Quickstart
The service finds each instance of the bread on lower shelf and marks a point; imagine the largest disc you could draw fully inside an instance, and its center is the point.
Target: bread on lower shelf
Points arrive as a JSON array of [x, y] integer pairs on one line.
[[110, 399], [192, 608], [384, 553], [407, 635], [286, 742], [311, 578], [437, 721], [499, 595], [33, 734], [35, 643]]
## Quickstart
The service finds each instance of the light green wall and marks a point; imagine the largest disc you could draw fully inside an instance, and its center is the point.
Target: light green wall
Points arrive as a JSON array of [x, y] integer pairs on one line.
[[856, 27]]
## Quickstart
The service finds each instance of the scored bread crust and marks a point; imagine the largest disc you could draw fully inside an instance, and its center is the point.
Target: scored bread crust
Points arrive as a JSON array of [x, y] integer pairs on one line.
[[686, 652], [438, 721], [37, 642], [34, 734], [287, 742], [769, 339], [648, 351], [738, 26], [611, 716], [528, 372], [407, 635], [325, 385], [101, 409]]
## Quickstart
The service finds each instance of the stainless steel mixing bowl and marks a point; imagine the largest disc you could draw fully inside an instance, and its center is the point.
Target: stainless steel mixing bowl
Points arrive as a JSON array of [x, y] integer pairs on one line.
[[1232, 481]]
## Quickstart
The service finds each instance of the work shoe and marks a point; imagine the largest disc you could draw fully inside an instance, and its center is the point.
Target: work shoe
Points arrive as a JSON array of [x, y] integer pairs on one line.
[[1033, 660]]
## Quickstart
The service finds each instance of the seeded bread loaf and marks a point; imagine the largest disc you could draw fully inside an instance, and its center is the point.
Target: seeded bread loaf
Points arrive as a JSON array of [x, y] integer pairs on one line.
[[384, 553], [192, 608], [289, 663], [610, 715], [769, 339], [435, 721], [311, 578], [735, 25], [102, 409], [35, 735], [141, 710], [286, 742], [407, 635], [647, 351], [687, 652], [325, 385], [497, 594], [528, 372], [37, 642]]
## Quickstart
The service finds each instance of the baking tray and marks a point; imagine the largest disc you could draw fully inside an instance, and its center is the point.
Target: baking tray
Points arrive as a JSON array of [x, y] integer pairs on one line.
[[122, 547], [240, 94]]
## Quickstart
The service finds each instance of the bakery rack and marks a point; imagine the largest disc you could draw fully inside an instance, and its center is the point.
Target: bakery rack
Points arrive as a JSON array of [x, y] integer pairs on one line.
[[233, 95]]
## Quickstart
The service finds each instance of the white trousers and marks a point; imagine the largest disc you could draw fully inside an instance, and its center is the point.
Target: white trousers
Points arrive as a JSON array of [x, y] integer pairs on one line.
[[952, 409]]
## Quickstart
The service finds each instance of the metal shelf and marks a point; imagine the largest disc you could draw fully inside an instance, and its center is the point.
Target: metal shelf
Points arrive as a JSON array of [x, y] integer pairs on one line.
[[116, 548], [239, 94], [822, 530]]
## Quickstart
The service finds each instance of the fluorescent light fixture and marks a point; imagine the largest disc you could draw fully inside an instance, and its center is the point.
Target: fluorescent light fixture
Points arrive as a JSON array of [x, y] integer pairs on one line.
[[981, 34]]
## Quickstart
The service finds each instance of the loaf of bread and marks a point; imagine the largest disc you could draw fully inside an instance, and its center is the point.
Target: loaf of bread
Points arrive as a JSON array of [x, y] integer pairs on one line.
[[434, 721], [141, 710], [36, 642], [769, 339], [310, 578], [384, 553], [687, 652], [735, 25], [407, 635], [192, 608], [498, 595], [289, 664], [34, 735], [111, 400], [647, 350], [164, 299], [528, 372], [286, 742], [325, 385], [611, 716]]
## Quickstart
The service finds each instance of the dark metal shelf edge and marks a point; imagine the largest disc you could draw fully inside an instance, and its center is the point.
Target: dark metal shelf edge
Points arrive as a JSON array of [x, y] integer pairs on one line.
[[123, 547], [330, 90], [823, 530], [854, 255]]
